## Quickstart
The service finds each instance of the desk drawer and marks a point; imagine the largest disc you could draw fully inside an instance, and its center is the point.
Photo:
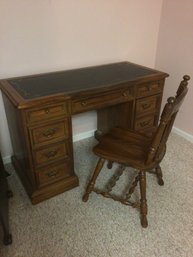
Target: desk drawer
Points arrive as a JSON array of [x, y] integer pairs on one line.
[[48, 112], [149, 89], [50, 133], [97, 102], [51, 153], [148, 104], [145, 123], [54, 172]]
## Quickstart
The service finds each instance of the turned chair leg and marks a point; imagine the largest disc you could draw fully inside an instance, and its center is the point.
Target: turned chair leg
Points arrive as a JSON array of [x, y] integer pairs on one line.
[[143, 201], [91, 183], [159, 175]]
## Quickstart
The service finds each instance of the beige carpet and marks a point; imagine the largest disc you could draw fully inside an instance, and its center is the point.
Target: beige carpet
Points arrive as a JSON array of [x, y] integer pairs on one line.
[[65, 226]]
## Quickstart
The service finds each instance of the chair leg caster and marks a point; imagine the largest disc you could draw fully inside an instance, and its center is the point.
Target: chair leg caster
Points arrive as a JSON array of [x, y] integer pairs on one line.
[[7, 239], [144, 222]]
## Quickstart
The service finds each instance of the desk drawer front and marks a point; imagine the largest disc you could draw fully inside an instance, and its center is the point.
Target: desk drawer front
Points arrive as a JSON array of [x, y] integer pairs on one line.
[[52, 173], [145, 123], [51, 153], [147, 104], [102, 100], [47, 112], [149, 89], [50, 133]]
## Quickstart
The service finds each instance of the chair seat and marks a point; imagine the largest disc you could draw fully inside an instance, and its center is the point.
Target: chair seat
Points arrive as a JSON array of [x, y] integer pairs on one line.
[[124, 146]]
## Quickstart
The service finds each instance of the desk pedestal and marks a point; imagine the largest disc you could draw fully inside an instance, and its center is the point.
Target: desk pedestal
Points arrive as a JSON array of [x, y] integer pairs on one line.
[[5, 193]]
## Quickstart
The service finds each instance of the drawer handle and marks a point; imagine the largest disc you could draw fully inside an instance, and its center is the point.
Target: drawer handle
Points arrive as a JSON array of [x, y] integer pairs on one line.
[[153, 87], [83, 103], [47, 111], [52, 174], [144, 89], [49, 132], [124, 94], [146, 106], [144, 123], [51, 154]]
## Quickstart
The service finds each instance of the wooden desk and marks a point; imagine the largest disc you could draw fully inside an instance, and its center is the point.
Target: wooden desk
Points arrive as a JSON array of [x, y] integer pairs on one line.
[[39, 110]]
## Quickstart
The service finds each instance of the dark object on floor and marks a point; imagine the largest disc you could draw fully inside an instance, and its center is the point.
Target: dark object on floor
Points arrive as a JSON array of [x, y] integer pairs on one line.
[[136, 150]]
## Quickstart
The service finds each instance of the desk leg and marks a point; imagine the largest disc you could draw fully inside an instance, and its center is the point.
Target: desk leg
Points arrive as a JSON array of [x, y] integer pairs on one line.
[[4, 212], [5, 193], [98, 134]]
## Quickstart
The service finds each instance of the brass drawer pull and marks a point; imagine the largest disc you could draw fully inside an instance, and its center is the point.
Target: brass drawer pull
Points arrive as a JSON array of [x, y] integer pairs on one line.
[[144, 89], [146, 106], [49, 132], [124, 94], [154, 87], [51, 154], [52, 174], [47, 111], [144, 123], [83, 103]]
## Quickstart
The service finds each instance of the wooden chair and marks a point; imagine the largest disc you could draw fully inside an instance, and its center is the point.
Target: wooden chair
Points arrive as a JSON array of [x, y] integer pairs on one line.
[[133, 149]]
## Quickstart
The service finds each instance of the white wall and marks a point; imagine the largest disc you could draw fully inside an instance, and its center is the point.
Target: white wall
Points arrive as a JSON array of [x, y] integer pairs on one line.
[[48, 35], [175, 55]]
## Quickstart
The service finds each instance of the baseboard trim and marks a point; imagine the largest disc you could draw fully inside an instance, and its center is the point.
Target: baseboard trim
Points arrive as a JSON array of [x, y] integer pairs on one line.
[[83, 135], [6, 159], [183, 134]]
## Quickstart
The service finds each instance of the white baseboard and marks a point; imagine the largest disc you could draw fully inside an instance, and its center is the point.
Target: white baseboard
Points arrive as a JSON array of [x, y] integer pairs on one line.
[[183, 134], [83, 135], [6, 159]]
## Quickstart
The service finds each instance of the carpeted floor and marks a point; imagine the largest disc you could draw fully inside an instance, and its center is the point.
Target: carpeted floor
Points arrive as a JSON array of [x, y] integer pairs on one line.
[[64, 226]]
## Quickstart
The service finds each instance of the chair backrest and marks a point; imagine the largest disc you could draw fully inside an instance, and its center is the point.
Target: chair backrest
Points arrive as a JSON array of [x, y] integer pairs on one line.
[[158, 145]]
